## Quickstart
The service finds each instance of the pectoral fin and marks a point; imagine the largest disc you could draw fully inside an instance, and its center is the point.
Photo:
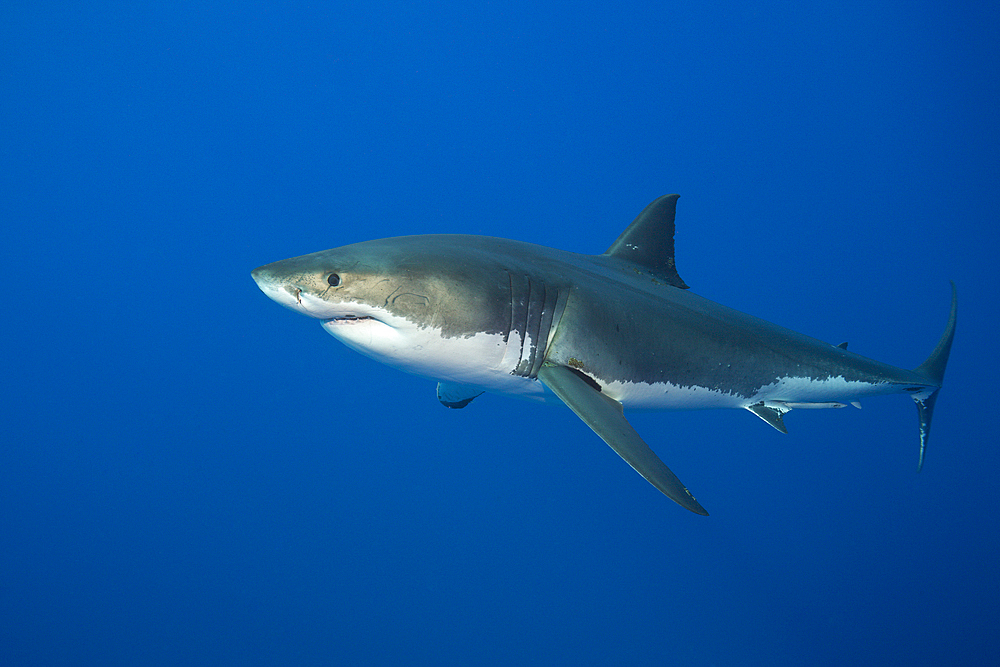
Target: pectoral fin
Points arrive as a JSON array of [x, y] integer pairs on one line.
[[456, 396], [771, 414], [604, 415]]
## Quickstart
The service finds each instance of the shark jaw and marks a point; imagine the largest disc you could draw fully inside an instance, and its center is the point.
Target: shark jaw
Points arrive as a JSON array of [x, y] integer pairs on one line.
[[359, 326], [482, 360]]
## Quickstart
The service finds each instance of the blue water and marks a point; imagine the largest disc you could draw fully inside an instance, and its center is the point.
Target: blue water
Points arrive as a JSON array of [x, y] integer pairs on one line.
[[190, 474]]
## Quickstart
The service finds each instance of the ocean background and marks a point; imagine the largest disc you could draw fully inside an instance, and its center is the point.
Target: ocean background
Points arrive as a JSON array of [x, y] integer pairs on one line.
[[193, 475]]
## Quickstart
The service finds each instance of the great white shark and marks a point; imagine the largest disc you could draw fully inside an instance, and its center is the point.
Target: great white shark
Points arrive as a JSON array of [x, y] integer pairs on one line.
[[599, 333]]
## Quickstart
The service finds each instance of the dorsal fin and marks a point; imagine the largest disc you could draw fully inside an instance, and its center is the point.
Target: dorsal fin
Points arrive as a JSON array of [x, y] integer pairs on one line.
[[649, 241]]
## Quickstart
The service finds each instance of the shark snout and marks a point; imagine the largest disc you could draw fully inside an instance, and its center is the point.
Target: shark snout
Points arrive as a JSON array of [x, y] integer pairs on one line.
[[288, 295], [300, 297], [265, 279]]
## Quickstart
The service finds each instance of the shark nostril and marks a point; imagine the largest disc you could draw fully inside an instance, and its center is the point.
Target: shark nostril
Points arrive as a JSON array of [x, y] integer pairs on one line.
[[295, 292]]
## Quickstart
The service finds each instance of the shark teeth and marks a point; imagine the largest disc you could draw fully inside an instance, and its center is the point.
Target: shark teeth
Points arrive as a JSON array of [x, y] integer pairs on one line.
[[350, 318]]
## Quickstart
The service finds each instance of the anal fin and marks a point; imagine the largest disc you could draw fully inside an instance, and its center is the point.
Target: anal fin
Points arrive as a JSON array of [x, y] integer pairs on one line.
[[605, 416]]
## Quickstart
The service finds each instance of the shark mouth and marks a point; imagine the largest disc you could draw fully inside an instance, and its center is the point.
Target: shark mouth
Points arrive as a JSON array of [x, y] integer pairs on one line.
[[350, 318]]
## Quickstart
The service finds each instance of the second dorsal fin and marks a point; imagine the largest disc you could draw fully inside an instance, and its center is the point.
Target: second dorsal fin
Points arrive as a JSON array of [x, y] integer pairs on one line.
[[649, 241]]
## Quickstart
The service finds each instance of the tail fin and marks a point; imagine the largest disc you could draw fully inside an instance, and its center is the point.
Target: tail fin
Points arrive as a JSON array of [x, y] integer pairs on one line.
[[933, 370]]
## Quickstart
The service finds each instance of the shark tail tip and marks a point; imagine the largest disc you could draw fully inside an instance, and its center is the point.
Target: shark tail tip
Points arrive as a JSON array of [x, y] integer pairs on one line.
[[933, 369]]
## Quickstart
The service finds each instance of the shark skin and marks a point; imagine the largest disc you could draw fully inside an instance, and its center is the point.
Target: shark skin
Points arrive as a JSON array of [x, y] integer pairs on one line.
[[599, 333]]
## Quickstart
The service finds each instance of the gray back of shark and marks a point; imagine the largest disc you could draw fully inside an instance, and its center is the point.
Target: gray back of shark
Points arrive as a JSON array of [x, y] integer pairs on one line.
[[597, 332]]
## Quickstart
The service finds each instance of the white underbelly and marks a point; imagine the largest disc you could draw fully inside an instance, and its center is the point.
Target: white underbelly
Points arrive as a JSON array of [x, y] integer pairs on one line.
[[802, 392], [487, 361], [483, 360]]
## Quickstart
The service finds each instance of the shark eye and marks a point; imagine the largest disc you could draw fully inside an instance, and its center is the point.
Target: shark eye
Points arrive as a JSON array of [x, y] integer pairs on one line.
[[334, 280]]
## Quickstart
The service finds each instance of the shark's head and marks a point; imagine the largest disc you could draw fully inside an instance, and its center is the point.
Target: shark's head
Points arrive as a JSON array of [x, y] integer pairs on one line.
[[417, 303]]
